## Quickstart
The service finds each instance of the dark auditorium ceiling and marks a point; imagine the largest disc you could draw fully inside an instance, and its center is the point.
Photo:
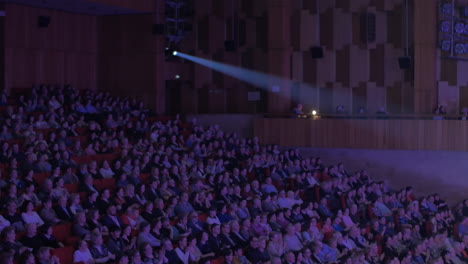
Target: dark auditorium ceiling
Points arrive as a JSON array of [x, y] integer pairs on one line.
[[76, 6]]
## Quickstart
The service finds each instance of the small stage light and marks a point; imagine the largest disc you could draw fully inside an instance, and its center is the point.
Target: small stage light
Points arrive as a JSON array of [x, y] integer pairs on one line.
[[314, 112], [177, 76], [174, 53]]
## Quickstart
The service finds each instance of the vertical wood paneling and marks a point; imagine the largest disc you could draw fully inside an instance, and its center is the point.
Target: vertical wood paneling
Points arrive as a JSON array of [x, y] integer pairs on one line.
[[425, 37], [131, 59], [448, 71], [140, 5], [64, 52], [369, 134]]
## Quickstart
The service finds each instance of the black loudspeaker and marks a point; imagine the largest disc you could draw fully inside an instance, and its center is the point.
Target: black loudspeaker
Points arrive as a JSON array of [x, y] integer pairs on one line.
[[159, 29], [368, 27], [43, 21], [230, 45], [317, 52], [404, 63]]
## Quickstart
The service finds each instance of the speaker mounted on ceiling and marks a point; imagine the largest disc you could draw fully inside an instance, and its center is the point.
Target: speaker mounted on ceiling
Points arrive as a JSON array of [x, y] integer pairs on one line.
[[230, 45], [43, 21], [405, 62], [317, 52]]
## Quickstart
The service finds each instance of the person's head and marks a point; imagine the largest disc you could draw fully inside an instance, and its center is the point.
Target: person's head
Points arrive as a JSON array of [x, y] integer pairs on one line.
[[167, 244], [276, 237], [97, 239], [112, 210], [27, 257], [145, 227], [204, 236], [122, 259], [225, 228], [9, 234], [289, 257], [115, 232], [183, 242], [43, 254], [28, 206], [254, 243], [215, 229], [31, 229], [146, 250], [82, 245], [229, 256], [135, 256], [291, 229]]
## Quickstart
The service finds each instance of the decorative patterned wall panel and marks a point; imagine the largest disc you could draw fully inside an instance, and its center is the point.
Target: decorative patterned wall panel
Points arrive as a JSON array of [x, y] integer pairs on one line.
[[342, 66], [342, 29], [449, 71], [359, 57], [351, 72], [376, 96], [449, 96]]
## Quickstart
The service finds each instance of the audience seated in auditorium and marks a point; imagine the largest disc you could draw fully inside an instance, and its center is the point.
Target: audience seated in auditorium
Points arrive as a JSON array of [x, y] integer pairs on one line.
[[86, 167]]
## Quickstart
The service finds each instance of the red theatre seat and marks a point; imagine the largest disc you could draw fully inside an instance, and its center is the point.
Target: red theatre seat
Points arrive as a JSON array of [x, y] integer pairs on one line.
[[71, 187], [62, 232], [65, 254], [41, 177]]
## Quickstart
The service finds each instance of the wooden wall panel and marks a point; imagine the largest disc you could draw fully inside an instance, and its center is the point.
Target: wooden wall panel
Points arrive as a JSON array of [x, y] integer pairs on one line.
[[343, 65], [342, 29], [64, 52], [272, 32], [449, 71], [425, 37], [131, 59], [376, 96], [377, 59], [446, 135], [449, 96], [146, 6]]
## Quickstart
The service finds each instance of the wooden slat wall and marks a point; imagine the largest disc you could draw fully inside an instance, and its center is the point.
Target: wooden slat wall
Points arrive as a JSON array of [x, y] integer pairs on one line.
[[425, 46], [138, 5], [277, 38], [64, 52], [131, 59], [447, 135]]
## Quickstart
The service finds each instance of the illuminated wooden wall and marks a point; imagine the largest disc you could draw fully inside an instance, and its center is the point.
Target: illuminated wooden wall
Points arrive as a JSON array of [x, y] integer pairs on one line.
[[365, 134], [276, 36]]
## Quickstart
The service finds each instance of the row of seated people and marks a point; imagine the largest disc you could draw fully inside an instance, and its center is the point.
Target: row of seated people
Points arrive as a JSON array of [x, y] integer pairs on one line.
[[257, 203]]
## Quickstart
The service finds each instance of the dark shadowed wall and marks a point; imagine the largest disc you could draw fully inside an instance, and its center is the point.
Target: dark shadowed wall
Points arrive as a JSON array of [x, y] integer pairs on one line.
[[63, 52], [276, 37], [131, 58]]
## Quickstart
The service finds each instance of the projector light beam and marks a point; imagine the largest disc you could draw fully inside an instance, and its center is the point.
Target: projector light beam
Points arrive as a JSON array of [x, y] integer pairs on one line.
[[255, 78]]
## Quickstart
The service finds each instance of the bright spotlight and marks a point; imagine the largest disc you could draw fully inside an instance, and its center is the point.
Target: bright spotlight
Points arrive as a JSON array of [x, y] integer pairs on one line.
[[177, 76], [174, 53], [314, 112]]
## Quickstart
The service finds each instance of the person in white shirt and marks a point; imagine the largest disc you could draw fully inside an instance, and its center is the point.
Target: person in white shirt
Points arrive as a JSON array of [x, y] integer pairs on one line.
[[287, 201], [83, 254], [212, 217], [106, 171], [182, 253], [30, 216]]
